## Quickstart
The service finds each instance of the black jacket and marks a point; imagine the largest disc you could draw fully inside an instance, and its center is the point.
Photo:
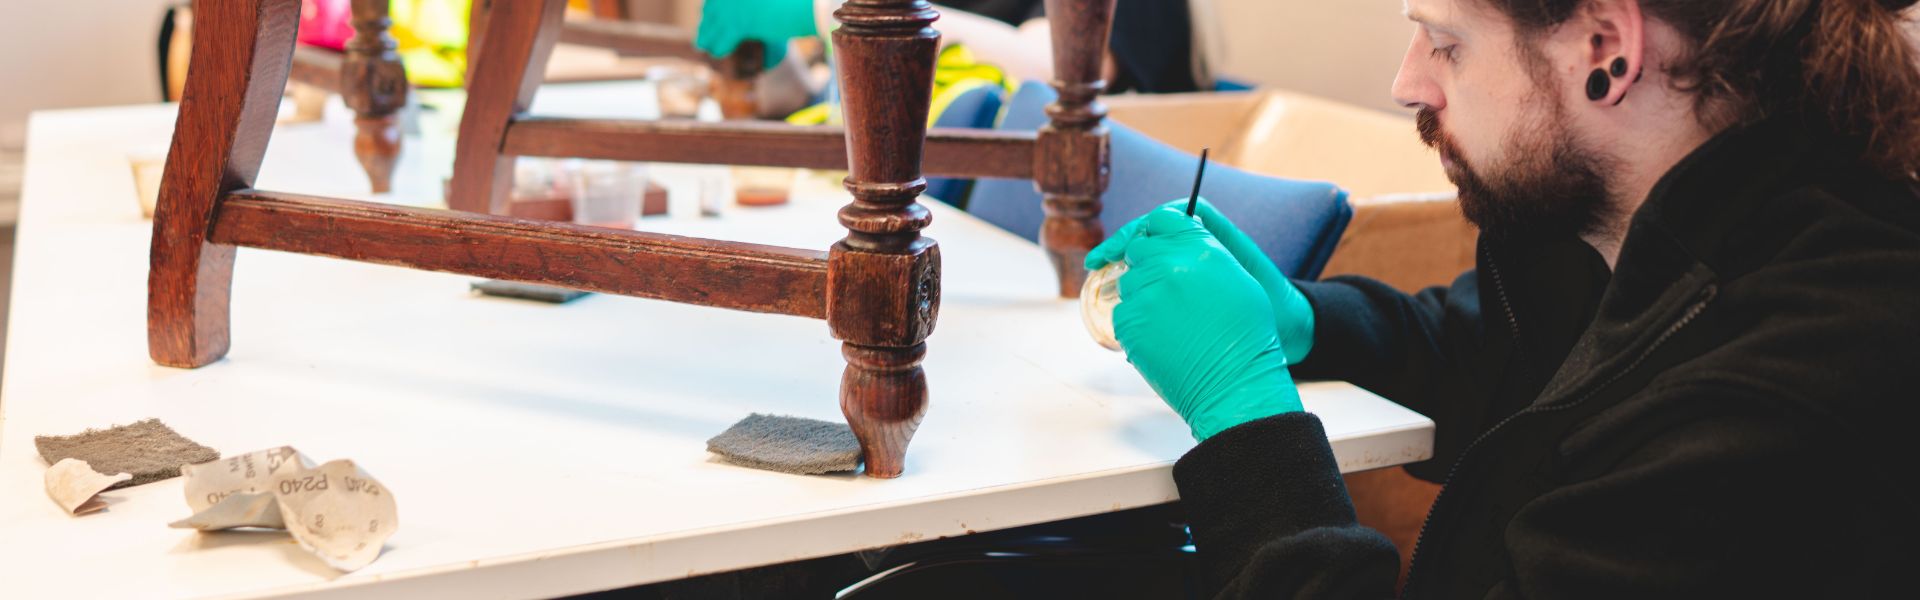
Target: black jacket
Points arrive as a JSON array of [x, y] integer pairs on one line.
[[1726, 414]]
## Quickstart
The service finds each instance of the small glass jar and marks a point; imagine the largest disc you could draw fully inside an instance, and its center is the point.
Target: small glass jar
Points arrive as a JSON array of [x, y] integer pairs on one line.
[[607, 193], [1097, 300], [679, 89]]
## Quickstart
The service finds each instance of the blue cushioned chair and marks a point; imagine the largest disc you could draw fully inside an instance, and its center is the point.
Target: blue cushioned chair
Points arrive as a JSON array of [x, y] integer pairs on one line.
[[1296, 223], [976, 108]]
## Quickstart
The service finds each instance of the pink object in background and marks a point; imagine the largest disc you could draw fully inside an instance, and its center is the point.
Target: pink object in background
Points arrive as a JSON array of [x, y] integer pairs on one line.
[[325, 23]]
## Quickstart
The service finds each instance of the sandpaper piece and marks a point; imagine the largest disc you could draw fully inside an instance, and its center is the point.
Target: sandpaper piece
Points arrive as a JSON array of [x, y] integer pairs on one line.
[[237, 510], [525, 291], [788, 445], [76, 487], [335, 510], [149, 450]]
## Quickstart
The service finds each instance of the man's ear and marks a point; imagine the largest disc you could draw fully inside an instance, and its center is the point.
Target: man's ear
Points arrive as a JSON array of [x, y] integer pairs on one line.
[[1616, 48]]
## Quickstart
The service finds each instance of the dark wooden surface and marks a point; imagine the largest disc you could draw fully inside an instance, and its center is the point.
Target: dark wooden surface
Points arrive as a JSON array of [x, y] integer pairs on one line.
[[374, 85], [1070, 167], [883, 279], [733, 275], [949, 152], [317, 67], [514, 44], [632, 38], [608, 9], [476, 29], [241, 50]]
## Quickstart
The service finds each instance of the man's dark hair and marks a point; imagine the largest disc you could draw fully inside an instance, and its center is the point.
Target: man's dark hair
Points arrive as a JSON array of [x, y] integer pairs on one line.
[[1844, 67]]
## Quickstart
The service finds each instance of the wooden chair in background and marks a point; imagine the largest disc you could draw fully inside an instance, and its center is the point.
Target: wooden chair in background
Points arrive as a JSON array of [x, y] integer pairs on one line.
[[369, 77], [367, 74], [878, 288], [1067, 159]]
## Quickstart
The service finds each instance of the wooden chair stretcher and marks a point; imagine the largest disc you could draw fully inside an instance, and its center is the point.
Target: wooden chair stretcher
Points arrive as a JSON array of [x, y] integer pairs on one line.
[[878, 289]]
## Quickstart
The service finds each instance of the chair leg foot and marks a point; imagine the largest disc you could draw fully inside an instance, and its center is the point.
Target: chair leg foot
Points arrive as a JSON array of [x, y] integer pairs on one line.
[[187, 307], [883, 394], [377, 145]]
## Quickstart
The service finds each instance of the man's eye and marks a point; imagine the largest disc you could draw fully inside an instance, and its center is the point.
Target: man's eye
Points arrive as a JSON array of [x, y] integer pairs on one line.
[[1446, 52]]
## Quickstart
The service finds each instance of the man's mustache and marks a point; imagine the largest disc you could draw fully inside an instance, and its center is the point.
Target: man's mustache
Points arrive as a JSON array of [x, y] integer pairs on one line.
[[1428, 122]]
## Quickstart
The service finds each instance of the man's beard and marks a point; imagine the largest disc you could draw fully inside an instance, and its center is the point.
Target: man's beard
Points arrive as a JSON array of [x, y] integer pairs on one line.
[[1550, 187]]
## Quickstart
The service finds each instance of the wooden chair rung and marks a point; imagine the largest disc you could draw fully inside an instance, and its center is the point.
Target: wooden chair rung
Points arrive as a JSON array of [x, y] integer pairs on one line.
[[317, 67], [735, 275], [950, 152], [632, 38]]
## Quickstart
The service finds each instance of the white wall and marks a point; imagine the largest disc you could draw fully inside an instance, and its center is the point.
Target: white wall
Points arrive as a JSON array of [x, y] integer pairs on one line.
[[1347, 50], [72, 53]]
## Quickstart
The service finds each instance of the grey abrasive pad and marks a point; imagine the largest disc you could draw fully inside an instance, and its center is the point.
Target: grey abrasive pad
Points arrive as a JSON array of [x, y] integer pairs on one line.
[[525, 291], [788, 445], [149, 450]]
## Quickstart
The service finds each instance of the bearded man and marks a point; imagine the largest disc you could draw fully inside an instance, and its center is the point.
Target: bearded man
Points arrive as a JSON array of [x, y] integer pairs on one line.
[[1684, 366]]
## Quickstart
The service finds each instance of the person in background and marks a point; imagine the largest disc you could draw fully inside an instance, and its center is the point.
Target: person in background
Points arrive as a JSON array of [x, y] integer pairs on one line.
[[1684, 367], [1153, 47]]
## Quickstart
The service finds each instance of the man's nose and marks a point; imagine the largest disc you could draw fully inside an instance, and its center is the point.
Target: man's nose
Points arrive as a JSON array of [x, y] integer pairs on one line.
[[1413, 86]]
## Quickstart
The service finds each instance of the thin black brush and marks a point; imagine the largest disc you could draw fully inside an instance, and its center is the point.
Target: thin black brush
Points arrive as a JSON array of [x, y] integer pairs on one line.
[[1194, 198]]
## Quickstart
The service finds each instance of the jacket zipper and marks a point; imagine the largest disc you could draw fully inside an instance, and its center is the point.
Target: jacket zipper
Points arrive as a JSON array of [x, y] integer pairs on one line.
[[1706, 295], [1500, 288]]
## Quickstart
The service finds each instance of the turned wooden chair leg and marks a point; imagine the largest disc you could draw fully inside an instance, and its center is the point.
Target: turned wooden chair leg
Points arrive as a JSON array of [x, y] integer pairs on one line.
[[374, 84], [514, 44], [883, 279], [1071, 156], [883, 394], [241, 50]]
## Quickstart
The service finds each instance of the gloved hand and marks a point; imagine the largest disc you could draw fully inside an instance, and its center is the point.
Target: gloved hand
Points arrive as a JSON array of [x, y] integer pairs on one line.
[[726, 23], [1198, 327], [1290, 309]]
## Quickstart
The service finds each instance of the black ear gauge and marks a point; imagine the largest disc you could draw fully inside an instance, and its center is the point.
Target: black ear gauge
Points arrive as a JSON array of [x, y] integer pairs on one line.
[[1619, 67], [1598, 84]]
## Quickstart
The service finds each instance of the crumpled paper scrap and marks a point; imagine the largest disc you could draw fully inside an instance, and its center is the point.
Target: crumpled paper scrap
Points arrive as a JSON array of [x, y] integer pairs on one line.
[[76, 487], [335, 510]]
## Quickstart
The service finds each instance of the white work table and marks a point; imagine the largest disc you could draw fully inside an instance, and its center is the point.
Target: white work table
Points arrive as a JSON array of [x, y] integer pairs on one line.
[[542, 450]]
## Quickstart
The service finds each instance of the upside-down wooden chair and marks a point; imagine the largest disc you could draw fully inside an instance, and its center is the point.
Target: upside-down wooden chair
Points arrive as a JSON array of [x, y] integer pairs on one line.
[[369, 77], [878, 289], [1066, 159]]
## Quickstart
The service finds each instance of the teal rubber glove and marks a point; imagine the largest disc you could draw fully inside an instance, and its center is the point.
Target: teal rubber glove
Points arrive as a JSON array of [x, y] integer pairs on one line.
[[726, 23], [1291, 311], [1198, 327]]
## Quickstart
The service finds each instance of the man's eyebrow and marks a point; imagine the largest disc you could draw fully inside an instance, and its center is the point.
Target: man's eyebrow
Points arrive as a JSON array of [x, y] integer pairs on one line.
[[1427, 20]]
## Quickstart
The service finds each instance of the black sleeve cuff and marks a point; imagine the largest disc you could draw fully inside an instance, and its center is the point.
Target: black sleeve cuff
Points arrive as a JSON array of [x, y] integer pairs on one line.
[[1259, 482]]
